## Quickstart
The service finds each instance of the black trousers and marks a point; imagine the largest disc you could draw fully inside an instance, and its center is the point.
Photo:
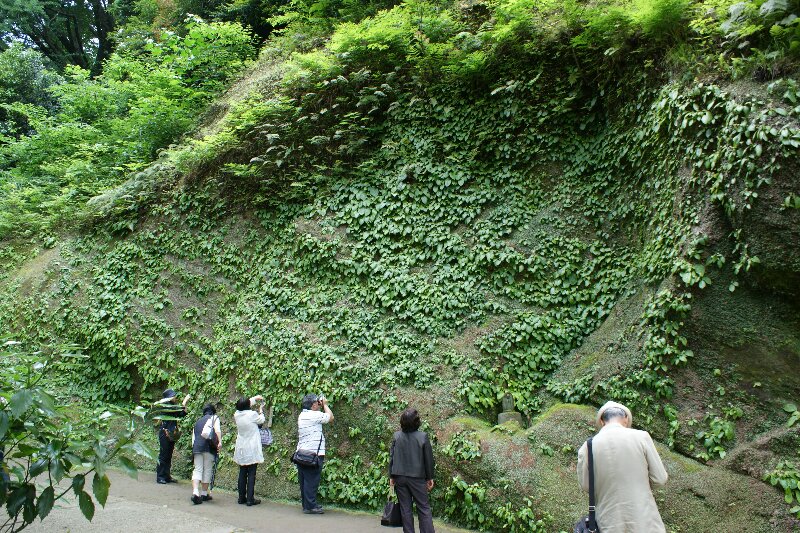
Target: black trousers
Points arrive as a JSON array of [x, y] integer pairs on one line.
[[413, 488], [247, 482], [309, 483], [166, 447]]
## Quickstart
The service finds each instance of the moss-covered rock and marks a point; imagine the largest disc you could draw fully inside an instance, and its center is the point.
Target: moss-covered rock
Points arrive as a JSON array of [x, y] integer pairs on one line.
[[541, 461]]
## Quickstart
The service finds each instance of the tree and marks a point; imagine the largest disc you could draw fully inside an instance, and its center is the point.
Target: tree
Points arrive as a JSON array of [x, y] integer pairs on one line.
[[49, 450], [68, 32]]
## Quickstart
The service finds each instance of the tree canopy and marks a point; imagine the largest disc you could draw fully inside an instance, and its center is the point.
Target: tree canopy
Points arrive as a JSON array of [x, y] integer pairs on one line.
[[67, 32]]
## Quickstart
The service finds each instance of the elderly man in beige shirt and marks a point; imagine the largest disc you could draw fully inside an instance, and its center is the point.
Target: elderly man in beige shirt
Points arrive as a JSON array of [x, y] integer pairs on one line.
[[626, 467]]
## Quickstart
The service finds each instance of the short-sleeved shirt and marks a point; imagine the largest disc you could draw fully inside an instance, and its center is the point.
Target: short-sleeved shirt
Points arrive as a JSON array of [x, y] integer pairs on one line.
[[309, 430]]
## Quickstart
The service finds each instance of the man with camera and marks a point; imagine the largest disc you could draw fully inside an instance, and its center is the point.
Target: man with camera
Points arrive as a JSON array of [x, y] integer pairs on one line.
[[168, 432], [310, 438]]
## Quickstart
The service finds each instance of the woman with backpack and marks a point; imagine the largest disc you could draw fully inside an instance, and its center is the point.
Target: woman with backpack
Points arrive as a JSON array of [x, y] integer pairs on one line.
[[206, 438]]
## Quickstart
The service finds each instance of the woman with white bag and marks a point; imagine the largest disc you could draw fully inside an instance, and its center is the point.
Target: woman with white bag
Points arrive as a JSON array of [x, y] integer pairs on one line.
[[248, 454], [206, 438]]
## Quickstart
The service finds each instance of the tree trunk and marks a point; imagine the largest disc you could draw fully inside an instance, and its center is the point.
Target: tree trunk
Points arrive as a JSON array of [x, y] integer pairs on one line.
[[103, 26]]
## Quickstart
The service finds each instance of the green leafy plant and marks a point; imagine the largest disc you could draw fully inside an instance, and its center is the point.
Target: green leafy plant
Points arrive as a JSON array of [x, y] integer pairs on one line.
[[51, 449], [462, 448], [720, 430], [794, 414], [786, 476]]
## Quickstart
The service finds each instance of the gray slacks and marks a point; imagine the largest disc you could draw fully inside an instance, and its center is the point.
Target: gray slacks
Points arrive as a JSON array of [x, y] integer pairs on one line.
[[408, 488]]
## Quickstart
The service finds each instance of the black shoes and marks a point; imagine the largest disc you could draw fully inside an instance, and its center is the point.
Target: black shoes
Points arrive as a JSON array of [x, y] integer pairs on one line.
[[241, 502], [161, 481], [315, 510], [170, 480], [196, 499], [254, 501]]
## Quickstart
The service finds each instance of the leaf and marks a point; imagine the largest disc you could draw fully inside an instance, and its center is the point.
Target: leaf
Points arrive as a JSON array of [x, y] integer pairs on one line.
[[3, 424], [78, 483], [45, 503], [18, 497], [29, 511], [20, 402], [86, 504], [47, 403], [39, 466], [129, 467], [100, 486], [57, 470], [790, 407], [141, 449]]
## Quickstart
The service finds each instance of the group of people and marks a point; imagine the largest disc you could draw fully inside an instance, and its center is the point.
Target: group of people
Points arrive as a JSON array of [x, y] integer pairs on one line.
[[411, 462], [206, 439], [248, 452], [625, 462]]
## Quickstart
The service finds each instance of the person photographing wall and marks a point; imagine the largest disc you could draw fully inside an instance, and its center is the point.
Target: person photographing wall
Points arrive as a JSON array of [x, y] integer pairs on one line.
[[248, 453], [311, 440], [168, 433]]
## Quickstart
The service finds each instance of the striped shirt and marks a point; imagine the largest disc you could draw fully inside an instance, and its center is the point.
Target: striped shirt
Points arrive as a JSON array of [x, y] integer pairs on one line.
[[309, 430]]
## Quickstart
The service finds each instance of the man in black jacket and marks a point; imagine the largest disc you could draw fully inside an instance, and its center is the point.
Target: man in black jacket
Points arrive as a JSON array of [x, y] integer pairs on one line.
[[411, 471], [168, 433]]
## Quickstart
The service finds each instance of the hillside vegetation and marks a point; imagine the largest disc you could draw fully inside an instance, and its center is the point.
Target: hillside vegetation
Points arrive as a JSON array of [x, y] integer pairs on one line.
[[437, 204]]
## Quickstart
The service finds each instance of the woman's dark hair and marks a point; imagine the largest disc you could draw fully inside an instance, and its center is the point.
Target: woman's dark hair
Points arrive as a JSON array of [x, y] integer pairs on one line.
[[243, 404], [209, 409], [409, 420]]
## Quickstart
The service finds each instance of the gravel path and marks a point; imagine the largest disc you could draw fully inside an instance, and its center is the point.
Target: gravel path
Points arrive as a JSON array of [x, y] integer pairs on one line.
[[141, 506]]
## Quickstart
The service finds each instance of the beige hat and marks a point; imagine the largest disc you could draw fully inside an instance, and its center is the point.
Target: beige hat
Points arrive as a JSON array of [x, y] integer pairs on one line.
[[613, 404]]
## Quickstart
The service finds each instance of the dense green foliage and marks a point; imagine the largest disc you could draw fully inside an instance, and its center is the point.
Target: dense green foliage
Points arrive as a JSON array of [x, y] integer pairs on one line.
[[94, 132], [437, 199]]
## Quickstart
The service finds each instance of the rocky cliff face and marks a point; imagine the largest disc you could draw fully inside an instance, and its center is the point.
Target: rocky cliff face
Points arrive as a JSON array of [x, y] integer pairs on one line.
[[393, 242]]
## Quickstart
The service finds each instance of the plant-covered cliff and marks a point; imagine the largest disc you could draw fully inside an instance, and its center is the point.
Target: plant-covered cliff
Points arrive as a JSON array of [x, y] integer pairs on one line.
[[437, 205]]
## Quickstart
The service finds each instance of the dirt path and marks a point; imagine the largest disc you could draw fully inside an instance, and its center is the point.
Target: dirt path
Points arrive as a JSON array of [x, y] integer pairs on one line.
[[143, 506]]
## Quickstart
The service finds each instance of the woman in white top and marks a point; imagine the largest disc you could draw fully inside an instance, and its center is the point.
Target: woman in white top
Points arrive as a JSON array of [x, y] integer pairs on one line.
[[248, 453]]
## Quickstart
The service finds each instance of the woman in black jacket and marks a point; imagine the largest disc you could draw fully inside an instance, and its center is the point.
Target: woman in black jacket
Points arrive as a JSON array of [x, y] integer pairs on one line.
[[411, 471]]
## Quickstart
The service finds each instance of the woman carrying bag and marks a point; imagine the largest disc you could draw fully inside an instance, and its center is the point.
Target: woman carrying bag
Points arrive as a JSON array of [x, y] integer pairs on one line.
[[205, 445], [411, 472], [248, 453]]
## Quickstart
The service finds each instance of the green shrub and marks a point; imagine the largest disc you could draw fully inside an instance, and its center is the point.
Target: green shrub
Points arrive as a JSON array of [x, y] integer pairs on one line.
[[67, 442]]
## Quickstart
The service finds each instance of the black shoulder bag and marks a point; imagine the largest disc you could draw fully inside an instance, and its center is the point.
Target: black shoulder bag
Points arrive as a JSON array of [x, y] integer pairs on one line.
[[307, 458], [588, 524]]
